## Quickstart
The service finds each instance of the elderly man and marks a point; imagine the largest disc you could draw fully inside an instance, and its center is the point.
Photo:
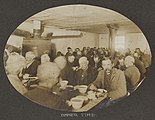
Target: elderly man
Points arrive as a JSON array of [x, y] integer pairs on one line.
[[48, 75], [14, 65], [45, 58], [85, 74], [132, 73], [111, 79], [140, 65], [31, 65]]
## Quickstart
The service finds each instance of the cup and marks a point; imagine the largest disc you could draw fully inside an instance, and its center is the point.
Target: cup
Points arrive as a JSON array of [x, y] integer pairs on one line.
[[63, 84], [82, 88], [77, 102]]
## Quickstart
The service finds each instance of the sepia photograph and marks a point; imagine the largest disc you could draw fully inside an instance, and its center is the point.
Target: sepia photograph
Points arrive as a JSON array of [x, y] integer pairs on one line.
[[77, 58]]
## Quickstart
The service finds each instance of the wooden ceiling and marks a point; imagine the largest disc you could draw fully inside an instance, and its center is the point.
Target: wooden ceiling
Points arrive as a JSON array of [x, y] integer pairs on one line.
[[84, 18]]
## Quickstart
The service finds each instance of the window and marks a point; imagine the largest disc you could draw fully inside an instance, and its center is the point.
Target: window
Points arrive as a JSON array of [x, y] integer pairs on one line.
[[119, 43]]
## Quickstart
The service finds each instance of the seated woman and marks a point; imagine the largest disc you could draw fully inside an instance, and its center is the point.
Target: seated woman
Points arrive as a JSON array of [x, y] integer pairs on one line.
[[14, 65], [48, 74]]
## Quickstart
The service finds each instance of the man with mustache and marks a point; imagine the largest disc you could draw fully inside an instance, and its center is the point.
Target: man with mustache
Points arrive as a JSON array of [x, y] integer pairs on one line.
[[111, 79]]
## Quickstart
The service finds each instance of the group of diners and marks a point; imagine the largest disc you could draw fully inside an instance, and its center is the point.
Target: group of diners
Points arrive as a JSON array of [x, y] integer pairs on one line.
[[94, 67]]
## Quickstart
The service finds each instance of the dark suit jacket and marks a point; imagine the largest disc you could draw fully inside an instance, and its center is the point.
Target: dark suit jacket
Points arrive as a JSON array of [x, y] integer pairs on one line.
[[146, 59], [46, 98], [132, 75], [90, 76], [68, 74], [32, 69], [140, 65]]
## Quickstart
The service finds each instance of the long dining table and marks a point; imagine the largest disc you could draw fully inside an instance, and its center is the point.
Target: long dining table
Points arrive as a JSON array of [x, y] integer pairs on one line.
[[70, 93], [91, 104]]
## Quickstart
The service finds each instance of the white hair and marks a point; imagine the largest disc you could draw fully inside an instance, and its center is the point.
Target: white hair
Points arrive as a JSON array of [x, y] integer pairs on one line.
[[14, 63], [83, 59], [31, 54], [48, 71], [45, 58], [60, 61], [130, 59]]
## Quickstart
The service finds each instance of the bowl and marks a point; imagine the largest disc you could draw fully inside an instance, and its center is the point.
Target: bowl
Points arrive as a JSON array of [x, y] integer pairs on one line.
[[100, 90], [85, 98], [77, 102], [82, 88]]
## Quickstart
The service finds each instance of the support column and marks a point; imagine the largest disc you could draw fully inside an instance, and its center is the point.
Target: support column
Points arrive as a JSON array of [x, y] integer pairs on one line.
[[97, 42], [112, 34]]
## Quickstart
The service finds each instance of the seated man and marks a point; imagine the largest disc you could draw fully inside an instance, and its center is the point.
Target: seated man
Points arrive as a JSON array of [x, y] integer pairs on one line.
[[48, 74], [14, 64], [31, 65], [111, 79], [132, 73], [140, 65], [85, 74], [146, 59]]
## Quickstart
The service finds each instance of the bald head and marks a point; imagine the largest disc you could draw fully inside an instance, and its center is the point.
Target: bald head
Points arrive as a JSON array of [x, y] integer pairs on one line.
[[83, 62], [129, 61]]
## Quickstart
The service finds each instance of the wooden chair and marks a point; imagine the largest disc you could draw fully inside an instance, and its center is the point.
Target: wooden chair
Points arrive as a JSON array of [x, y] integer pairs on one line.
[[136, 86]]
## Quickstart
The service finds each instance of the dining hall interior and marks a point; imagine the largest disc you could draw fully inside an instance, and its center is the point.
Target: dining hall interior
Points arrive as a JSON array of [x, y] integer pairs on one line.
[[82, 53]]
